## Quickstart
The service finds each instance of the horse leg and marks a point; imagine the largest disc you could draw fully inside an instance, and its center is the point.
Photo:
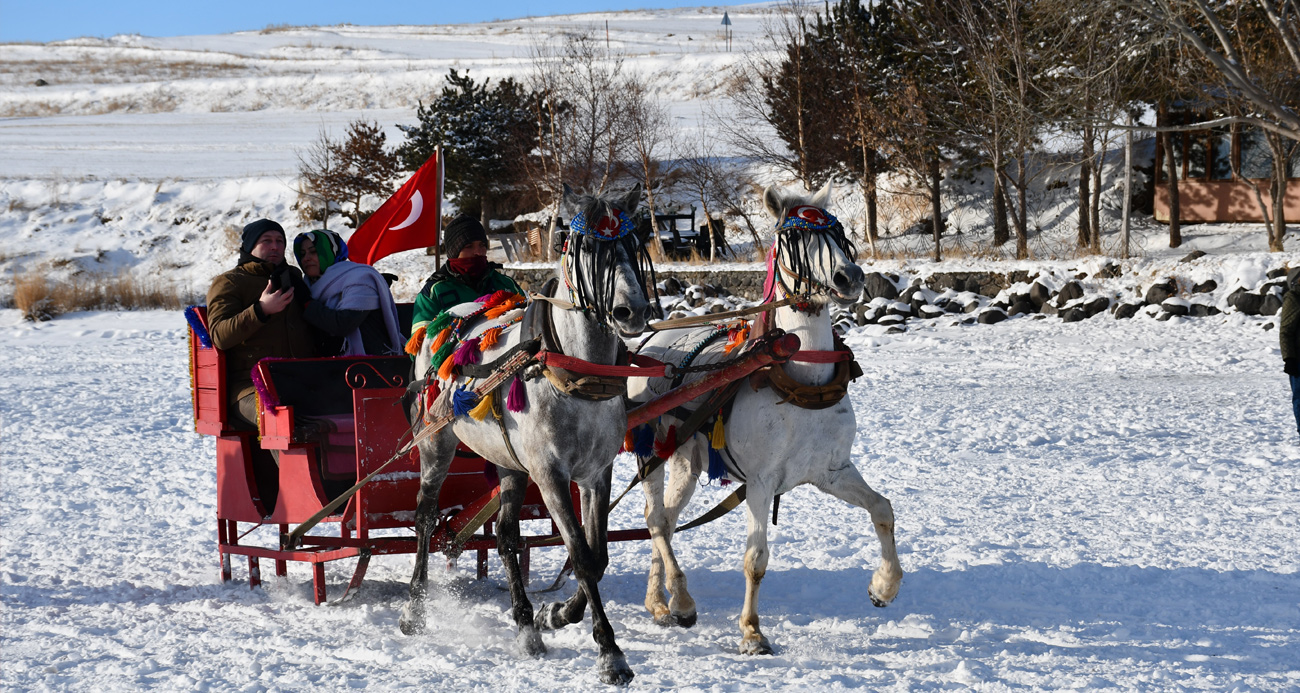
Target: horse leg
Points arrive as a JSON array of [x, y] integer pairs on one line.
[[513, 484], [435, 457], [612, 665], [595, 525], [663, 510], [758, 502], [847, 484]]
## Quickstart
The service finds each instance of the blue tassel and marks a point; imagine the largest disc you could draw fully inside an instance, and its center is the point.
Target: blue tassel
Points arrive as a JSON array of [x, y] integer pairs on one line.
[[717, 470], [645, 441], [462, 401], [200, 332]]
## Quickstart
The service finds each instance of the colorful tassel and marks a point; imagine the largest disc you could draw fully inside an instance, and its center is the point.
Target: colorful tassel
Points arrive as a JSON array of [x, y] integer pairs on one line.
[[431, 391], [645, 441], [462, 401], [442, 355], [417, 338], [483, 408], [516, 397], [441, 322], [717, 470], [629, 441], [503, 308], [443, 335], [665, 448], [196, 324], [489, 338], [494, 298], [468, 353], [718, 439], [445, 370], [736, 337]]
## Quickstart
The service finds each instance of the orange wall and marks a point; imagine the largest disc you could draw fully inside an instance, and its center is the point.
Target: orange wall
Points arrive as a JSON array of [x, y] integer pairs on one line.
[[1224, 200]]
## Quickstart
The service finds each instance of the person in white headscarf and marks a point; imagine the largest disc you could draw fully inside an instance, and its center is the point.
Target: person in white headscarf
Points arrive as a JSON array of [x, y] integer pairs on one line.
[[350, 302]]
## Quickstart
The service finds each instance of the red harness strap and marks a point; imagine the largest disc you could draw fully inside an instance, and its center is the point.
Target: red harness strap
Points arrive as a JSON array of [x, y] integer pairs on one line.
[[650, 368], [822, 356]]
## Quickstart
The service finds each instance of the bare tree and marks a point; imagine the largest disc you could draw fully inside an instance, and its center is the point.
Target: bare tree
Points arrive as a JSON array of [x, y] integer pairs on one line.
[[650, 135], [318, 187], [1231, 47], [580, 115], [703, 176], [752, 124]]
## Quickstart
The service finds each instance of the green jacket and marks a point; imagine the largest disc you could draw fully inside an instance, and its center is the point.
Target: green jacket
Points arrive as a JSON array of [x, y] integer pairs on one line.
[[446, 289], [1289, 325]]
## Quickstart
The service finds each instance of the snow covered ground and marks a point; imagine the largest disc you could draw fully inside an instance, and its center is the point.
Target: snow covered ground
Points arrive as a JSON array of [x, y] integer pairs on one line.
[[1103, 505]]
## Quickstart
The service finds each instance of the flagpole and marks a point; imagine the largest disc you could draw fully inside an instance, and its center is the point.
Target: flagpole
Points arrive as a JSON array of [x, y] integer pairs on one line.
[[437, 233]]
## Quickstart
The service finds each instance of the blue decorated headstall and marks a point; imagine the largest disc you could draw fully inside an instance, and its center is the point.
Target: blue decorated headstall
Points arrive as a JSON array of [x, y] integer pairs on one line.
[[810, 218], [608, 228]]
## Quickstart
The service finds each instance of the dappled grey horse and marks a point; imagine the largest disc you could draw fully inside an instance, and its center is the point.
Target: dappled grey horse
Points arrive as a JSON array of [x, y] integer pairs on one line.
[[558, 436]]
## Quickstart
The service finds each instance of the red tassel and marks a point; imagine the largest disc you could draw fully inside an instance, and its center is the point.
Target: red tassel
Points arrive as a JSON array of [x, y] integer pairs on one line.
[[665, 448], [629, 443]]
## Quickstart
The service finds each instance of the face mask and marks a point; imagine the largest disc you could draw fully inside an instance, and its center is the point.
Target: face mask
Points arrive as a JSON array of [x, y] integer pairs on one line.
[[471, 267]]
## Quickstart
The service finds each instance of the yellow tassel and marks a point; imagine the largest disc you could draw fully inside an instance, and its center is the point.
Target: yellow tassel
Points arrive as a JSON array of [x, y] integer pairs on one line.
[[417, 338], [441, 339], [719, 438], [489, 338], [444, 371], [483, 408]]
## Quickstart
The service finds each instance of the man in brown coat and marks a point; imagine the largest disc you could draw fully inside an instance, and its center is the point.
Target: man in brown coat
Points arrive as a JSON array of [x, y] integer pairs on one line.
[[252, 314]]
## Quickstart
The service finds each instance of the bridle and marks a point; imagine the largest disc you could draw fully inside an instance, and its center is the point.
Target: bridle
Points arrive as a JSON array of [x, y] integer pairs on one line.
[[804, 219], [591, 290]]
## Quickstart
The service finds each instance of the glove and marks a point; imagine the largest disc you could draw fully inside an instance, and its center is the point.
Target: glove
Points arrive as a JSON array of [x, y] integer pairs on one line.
[[1292, 367]]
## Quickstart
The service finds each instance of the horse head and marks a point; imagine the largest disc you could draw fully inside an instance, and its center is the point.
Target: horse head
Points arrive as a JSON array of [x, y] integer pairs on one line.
[[604, 264], [813, 254]]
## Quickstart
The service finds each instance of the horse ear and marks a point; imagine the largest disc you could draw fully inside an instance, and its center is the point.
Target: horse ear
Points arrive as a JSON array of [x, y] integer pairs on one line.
[[569, 202], [632, 200], [773, 202], [823, 197]]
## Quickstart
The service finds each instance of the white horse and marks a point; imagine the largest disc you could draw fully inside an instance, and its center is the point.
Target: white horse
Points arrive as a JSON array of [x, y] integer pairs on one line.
[[771, 446], [558, 437]]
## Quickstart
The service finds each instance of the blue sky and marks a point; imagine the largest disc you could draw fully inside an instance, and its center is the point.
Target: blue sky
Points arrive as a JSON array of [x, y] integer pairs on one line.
[[51, 20]]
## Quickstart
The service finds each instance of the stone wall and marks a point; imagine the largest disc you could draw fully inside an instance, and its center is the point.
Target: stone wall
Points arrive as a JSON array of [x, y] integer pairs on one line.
[[748, 284]]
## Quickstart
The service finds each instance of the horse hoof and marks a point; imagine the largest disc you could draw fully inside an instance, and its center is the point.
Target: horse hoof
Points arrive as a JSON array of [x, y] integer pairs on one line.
[[676, 620], [411, 624], [530, 642], [757, 646], [614, 670], [879, 600]]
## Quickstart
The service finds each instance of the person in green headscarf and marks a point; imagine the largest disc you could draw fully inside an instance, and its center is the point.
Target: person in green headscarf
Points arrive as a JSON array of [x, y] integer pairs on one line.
[[350, 302]]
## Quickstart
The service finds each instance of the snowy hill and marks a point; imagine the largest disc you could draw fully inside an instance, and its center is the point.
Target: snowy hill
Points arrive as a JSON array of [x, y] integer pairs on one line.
[[142, 154]]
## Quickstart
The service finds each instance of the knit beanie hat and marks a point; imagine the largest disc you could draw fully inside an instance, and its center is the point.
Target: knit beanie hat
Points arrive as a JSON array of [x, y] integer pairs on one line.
[[330, 247], [462, 231], [253, 231]]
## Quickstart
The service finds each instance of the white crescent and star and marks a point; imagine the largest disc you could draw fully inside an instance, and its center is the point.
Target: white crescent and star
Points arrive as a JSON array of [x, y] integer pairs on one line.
[[417, 206]]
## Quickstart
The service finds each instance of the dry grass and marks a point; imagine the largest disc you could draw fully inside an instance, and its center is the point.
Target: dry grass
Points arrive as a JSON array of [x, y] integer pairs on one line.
[[41, 298]]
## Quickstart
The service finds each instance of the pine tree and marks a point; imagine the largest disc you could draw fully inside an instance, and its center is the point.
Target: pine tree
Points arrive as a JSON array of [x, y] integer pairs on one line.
[[485, 132]]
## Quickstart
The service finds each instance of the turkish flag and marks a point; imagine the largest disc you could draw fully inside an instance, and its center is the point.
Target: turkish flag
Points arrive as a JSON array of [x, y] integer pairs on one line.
[[411, 218]]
